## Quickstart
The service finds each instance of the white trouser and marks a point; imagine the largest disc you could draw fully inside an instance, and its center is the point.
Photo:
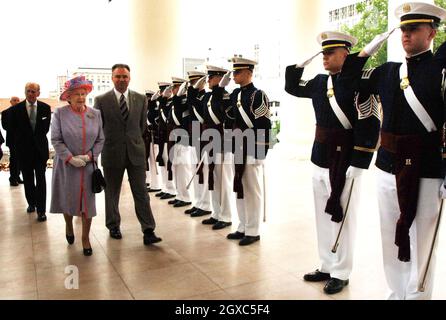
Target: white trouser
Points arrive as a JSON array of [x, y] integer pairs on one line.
[[403, 277], [168, 186], [338, 264], [222, 196], [251, 207], [153, 179], [202, 195], [183, 171]]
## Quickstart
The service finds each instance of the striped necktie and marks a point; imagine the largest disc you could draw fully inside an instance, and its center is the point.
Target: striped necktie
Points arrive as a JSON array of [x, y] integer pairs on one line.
[[123, 107], [32, 117]]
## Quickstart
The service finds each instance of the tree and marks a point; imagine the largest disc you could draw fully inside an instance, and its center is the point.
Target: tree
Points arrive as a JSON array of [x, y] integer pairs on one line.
[[441, 34], [373, 22]]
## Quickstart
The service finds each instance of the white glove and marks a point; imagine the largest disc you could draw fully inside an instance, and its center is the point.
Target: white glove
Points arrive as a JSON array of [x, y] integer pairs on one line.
[[443, 191], [84, 157], [76, 162], [225, 80], [168, 92], [353, 172], [374, 46], [183, 89], [308, 61], [200, 83], [156, 95]]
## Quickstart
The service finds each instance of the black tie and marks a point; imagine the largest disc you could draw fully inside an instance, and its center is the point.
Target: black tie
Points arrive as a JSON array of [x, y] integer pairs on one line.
[[123, 107]]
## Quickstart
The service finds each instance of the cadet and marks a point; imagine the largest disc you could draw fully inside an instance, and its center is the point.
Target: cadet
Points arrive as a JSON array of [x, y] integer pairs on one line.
[[252, 124], [409, 160], [342, 149]]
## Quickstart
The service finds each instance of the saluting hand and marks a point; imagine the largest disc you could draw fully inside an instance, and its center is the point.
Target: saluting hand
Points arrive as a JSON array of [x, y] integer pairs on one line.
[[200, 83], [308, 61], [156, 95], [167, 92], [225, 80], [374, 46], [183, 89]]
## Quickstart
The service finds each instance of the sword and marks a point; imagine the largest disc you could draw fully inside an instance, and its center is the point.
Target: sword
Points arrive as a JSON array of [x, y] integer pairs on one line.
[[196, 171], [153, 152], [421, 286], [335, 246]]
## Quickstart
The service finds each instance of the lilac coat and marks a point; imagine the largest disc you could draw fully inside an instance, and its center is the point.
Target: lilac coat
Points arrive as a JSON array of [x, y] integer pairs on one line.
[[74, 134]]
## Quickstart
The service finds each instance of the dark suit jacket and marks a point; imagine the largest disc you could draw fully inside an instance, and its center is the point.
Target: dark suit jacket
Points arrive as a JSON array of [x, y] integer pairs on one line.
[[7, 125], [32, 147], [123, 138]]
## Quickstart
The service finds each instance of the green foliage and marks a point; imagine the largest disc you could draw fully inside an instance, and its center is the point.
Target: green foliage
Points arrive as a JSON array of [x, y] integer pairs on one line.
[[441, 35], [373, 22]]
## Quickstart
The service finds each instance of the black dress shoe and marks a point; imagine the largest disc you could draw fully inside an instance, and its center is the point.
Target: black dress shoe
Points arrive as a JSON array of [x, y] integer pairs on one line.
[[115, 233], [88, 252], [159, 195], [173, 201], [247, 240], [335, 285], [167, 196], [316, 276], [13, 183], [20, 181], [41, 217], [221, 225], [189, 211], [31, 209], [235, 236], [70, 239], [153, 190], [210, 221], [150, 238], [199, 213], [180, 204]]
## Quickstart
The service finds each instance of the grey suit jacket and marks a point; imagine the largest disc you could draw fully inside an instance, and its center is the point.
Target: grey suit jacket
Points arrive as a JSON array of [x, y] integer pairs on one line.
[[123, 137]]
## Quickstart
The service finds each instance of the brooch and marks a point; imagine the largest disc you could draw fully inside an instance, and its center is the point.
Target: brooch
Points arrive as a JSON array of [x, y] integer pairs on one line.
[[330, 93]]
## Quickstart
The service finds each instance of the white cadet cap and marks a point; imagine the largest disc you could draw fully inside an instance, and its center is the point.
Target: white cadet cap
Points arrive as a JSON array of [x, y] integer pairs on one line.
[[335, 39], [239, 63], [163, 85], [420, 12], [215, 71], [194, 75], [150, 92], [176, 80]]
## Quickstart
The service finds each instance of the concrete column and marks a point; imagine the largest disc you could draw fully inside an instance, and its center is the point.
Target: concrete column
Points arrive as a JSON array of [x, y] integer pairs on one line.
[[154, 49]]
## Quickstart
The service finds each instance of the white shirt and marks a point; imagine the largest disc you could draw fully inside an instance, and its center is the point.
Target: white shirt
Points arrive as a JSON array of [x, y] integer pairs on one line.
[[28, 107], [126, 96]]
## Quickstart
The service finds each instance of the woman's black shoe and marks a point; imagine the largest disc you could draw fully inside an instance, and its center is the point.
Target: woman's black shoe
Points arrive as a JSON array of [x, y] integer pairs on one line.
[[88, 252], [70, 239]]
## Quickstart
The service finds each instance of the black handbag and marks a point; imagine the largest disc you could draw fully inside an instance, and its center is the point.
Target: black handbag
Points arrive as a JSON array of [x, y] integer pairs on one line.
[[97, 179]]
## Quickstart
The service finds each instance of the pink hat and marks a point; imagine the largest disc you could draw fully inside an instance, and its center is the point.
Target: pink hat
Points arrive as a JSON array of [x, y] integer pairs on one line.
[[76, 83]]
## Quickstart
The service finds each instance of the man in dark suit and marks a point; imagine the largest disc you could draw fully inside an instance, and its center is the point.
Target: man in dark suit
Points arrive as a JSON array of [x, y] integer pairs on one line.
[[31, 120], [124, 116], [14, 171]]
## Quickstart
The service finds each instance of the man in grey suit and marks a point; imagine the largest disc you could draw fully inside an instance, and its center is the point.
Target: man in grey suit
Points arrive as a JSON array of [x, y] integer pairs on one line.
[[124, 115]]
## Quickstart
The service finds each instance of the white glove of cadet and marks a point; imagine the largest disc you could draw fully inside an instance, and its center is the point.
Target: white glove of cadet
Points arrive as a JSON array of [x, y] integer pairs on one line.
[[183, 89], [443, 191], [374, 46], [168, 92], [225, 80], [84, 157], [353, 172], [76, 162], [156, 95], [200, 83], [308, 61]]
